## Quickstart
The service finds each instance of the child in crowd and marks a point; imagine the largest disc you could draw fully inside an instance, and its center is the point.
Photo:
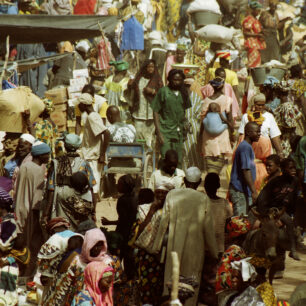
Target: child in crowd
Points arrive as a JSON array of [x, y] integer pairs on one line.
[[215, 122], [221, 208], [273, 168], [145, 196], [126, 209]]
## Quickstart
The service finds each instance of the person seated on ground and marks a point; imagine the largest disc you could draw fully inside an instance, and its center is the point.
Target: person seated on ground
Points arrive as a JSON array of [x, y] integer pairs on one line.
[[11, 167], [216, 122], [119, 131], [98, 289], [99, 105], [281, 192], [273, 168], [145, 196], [168, 172], [126, 209], [247, 288]]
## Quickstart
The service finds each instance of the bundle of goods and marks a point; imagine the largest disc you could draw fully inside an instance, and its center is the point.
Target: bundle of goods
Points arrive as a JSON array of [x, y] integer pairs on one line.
[[205, 12], [216, 33], [11, 112]]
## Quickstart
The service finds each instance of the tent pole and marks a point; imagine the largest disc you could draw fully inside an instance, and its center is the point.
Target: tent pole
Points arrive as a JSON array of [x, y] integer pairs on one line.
[[6, 60]]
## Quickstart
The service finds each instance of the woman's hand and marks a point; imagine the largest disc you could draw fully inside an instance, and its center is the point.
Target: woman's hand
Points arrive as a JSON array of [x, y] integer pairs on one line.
[[105, 221]]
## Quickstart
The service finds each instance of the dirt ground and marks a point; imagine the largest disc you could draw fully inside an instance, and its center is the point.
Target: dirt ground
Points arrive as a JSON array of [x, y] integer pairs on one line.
[[295, 272]]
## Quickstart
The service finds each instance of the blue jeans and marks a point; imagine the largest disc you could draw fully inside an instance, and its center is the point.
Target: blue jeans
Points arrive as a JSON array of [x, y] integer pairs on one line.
[[241, 201]]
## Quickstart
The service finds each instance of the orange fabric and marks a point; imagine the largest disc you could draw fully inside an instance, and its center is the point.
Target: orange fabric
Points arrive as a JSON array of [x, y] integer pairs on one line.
[[251, 25], [85, 7]]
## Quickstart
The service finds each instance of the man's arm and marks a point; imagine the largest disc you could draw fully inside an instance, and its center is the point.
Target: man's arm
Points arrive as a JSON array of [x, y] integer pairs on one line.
[[78, 126], [276, 142], [247, 175]]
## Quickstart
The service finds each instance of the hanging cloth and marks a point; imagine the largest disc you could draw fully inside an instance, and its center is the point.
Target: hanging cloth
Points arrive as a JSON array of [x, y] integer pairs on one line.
[[133, 35]]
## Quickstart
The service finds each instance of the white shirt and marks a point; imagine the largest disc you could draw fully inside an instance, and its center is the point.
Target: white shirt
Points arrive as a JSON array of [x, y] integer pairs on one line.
[[92, 137], [269, 127], [177, 179], [122, 133]]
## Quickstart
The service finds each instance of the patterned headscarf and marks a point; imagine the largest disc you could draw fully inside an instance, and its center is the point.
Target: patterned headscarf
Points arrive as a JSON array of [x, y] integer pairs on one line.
[[92, 237], [93, 273], [238, 226], [57, 222], [49, 106]]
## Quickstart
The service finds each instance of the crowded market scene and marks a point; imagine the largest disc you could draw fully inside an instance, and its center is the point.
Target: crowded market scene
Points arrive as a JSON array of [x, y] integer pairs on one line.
[[152, 152]]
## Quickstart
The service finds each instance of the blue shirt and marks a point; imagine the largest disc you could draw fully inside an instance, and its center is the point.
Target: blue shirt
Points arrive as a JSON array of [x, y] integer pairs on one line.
[[10, 167], [133, 35], [244, 160]]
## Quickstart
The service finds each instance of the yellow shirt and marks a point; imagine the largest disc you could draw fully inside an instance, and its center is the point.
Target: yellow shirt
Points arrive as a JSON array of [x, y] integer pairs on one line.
[[231, 76]]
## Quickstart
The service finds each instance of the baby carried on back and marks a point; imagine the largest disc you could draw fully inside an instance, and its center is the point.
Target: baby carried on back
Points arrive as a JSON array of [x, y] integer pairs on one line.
[[215, 122]]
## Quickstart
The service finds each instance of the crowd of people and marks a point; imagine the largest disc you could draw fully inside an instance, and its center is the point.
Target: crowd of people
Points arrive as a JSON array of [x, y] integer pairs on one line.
[[247, 145]]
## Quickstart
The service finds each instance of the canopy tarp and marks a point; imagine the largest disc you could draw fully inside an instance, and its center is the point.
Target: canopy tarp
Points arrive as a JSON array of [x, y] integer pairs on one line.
[[31, 63], [25, 29]]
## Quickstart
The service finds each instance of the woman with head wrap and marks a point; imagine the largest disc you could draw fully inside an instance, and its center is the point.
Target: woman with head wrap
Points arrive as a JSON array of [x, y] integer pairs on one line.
[[143, 234], [69, 282], [252, 31], [143, 89], [215, 149], [115, 88], [268, 126], [289, 118], [237, 228], [70, 182], [29, 194], [98, 290], [46, 130]]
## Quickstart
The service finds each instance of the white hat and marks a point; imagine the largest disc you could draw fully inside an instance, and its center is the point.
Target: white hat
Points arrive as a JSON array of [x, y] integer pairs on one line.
[[83, 46], [85, 98], [28, 137], [193, 175], [171, 46]]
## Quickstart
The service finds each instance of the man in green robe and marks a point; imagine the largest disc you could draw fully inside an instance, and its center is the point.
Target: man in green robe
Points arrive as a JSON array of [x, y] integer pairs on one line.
[[169, 107]]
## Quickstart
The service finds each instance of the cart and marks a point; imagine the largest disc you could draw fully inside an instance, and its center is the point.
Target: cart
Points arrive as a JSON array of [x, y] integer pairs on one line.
[[136, 151]]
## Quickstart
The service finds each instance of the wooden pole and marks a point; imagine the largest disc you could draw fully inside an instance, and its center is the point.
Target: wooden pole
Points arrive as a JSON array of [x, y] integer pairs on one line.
[[175, 276], [6, 60]]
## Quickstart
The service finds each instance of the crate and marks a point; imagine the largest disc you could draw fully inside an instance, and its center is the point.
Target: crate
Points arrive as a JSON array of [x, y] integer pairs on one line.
[[57, 95]]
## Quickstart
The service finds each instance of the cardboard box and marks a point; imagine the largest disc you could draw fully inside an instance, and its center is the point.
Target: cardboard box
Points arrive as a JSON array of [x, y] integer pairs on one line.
[[82, 81], [60, 107], [57, 95], [80, 73], [74, 95], [59, 118]]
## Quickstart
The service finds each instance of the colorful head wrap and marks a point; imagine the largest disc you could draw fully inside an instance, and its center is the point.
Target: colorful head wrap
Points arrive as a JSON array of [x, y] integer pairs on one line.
[[49, 106], [224, 54], [57, 222], [217, 82], [6, 201], [92, 237], [271, 81], [238, 226], [40, 148], [93, 273], [120, 65], [181, 47], [255, 4]]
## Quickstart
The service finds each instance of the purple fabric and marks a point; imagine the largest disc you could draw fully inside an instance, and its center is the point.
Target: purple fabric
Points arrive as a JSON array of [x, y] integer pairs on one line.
[[5, 183]]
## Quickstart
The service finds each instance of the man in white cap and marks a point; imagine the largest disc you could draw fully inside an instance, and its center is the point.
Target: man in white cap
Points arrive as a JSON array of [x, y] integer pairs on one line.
[[187, 215], [95, 140]]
